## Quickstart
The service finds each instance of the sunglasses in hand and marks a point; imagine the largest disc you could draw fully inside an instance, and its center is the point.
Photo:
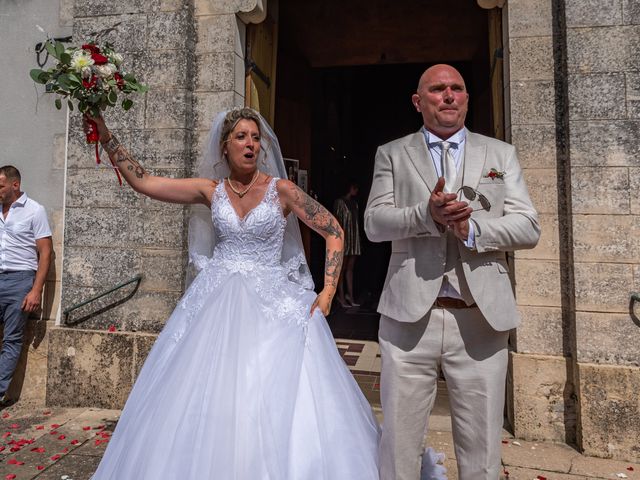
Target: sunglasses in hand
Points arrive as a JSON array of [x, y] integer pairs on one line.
[[471, 194]]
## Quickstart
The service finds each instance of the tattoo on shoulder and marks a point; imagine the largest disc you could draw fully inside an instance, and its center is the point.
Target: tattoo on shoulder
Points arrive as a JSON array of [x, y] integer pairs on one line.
[[316, 214]]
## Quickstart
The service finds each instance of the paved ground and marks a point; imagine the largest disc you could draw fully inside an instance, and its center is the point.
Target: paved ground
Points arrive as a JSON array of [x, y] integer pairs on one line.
[[66, 444]]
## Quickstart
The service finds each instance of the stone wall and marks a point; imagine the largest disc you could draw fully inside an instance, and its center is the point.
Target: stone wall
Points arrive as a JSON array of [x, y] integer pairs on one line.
[[33, 138], [191, 55], [574, 75]]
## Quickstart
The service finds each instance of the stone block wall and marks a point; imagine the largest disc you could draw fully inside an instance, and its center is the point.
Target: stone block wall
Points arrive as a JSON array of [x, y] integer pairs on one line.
[[544, 406], [111, 232], [574, 89], [191, 55], [603, 59]]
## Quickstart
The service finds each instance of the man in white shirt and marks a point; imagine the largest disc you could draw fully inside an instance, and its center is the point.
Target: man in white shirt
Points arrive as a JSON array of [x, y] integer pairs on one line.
[[25, 255]]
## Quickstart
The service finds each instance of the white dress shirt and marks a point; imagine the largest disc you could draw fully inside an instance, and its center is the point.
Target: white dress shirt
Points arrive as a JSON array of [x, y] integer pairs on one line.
[[25, 223], [456, 150]]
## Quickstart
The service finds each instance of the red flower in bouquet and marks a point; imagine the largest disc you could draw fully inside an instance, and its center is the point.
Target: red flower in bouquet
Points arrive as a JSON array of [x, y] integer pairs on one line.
[[93, 76], [89, 84], [119, 80]]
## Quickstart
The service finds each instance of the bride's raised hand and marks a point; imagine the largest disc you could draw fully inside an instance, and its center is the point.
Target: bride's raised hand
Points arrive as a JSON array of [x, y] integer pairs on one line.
[[99, 123], [323, 302]]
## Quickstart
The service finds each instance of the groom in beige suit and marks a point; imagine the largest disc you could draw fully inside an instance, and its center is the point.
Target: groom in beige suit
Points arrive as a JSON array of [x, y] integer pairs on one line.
[[452, 202]]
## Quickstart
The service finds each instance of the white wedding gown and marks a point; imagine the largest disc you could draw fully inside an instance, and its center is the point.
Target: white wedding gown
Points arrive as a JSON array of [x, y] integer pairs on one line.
[[242, 383]]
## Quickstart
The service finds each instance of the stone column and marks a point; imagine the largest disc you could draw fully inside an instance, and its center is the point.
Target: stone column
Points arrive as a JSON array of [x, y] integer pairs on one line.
[[603, 57], [191, 55], [542, 367], [576, 123]]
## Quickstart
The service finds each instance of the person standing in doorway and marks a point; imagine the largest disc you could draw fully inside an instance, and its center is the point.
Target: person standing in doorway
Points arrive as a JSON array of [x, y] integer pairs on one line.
[[25, 255], [345, 209], [452, 202]]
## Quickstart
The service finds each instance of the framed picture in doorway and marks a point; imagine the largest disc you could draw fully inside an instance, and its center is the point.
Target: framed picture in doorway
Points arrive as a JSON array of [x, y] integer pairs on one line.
[[292, 166], [302, 180]]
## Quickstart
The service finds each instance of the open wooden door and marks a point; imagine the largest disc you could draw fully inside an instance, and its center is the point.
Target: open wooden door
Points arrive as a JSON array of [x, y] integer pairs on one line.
[[260, 61], [496, 55]]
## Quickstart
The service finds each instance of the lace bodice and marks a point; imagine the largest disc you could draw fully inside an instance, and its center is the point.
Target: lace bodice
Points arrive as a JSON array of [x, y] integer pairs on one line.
[[251, 247], [256, 239]]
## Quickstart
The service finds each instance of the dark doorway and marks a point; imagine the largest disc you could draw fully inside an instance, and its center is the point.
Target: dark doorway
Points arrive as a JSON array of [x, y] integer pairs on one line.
[[345, 75]]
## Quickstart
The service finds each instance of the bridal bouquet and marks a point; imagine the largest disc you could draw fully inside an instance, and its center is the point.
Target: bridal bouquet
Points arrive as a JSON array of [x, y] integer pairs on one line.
[[93, 76]]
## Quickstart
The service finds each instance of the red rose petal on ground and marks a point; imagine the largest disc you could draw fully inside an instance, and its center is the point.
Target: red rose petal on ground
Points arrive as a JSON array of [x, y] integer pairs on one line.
[[65, 450], [505, 442], [55, 425], [14, 425], [86, 428], [62, 437], [53, 432], [38, 449], [75, 442], [630, 469], [112, 328], [540, 477], [47, 412], [98, 442], [40, 467], [15, 449], [6, 434], [55, 457], [2, 448], [5, 415], [40, 427], [14, 461], [10, 476]]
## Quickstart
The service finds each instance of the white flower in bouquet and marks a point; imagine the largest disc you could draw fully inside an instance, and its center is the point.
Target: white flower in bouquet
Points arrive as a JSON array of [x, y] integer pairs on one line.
[[106, 71], [87, 72], [116, 58], [81, 60]]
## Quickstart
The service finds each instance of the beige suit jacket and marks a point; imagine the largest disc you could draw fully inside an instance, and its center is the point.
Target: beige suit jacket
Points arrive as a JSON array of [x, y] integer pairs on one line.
[[397, 211]]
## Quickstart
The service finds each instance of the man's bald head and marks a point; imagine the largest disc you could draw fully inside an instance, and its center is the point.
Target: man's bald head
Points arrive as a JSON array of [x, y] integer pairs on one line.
[[442, 99]]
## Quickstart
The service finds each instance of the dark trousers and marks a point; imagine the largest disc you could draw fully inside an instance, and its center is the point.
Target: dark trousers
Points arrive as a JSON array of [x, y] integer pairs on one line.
[[14, 286]]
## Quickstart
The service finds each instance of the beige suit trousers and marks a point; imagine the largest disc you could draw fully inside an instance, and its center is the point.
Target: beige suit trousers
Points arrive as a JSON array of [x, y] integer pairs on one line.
[[473, 358]]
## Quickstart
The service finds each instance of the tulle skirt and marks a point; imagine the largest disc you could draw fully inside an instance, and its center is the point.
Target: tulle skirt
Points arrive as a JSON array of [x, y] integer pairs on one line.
[[227, 393]]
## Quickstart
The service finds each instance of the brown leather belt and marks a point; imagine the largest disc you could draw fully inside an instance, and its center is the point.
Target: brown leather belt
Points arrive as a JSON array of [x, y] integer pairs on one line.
[[448, 302]]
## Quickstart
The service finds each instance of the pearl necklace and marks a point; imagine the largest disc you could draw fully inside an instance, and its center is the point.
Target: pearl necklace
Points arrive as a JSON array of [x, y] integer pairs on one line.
[[242, 193]]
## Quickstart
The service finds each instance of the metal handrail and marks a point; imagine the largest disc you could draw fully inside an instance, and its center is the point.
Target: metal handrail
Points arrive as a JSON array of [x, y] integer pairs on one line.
[[137, 279]]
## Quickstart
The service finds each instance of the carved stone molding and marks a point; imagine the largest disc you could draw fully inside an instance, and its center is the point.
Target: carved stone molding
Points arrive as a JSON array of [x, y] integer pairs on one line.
[[489, 4], [252, 11]]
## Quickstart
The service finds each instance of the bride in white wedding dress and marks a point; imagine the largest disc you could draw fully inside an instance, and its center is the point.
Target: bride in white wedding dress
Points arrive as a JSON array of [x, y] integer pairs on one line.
[[245, 381]]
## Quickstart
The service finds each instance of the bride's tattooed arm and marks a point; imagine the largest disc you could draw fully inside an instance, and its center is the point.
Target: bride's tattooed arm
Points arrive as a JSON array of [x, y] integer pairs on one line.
[[319, 219], [127, 165], [174, 190]]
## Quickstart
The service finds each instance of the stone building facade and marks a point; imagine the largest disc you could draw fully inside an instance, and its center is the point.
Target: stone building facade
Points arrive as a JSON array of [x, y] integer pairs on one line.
[[571, 107]]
